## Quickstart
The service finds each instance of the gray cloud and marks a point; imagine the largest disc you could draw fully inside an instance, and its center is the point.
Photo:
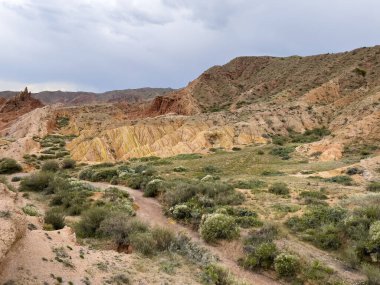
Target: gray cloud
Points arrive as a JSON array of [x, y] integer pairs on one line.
[[102, 45]]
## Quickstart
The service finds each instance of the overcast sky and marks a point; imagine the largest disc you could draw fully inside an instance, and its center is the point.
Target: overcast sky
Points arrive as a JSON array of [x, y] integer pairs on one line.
[[100, 45]]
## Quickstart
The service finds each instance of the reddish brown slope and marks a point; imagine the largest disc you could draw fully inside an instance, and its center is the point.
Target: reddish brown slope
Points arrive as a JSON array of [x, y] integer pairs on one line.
[[17, 106]]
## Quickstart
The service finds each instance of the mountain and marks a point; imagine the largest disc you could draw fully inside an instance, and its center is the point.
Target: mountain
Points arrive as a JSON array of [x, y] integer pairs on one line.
[[72, 98], [248, 100]]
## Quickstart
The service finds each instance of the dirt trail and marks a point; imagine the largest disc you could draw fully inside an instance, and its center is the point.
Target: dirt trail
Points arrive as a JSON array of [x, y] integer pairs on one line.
[[151, 211], [309, 252]]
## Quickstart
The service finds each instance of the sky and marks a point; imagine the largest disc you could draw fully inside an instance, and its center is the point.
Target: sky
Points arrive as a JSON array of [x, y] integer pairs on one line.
[[101, 45]]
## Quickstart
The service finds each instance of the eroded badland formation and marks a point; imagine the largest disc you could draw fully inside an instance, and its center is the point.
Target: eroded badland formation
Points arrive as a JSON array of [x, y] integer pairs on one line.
[[310, 122]]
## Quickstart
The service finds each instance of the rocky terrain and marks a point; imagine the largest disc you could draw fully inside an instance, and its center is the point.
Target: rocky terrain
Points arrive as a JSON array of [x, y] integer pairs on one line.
[[286, 148], [80, 98], [246, 101]]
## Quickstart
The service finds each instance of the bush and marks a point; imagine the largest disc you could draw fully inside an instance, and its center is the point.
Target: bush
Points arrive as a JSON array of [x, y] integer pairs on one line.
[[164, 238], [262, 255], [30, 210], [9, 166], [56, 218], [50, 165], [282, 152], [181, 211], [37, 182], [373, 274], [213, 274], [180, 169], [250, 184], [279, 188], [373, 187], [210, 169], [117, 227], [313, 194], [152, 188], [68, 163], [16, 178], [341, 179], [89, 225], [143, 242], [286, 265], [316, 271], [218, 226]]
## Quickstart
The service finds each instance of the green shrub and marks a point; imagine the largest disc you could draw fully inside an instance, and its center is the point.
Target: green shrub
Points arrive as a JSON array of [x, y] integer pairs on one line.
[[316, 217], [282, 152], [261, 256], [316, 271], [188, 156], [279, 188], [50, 165], [181, 211], [56, 218], [313, 194], [250, 184], [372, 272], [328, 237], [215, 275], [248, 222], [373, 187], [104, 175], [272, 173], [143, 242], [279, 140], [210, 169], [9, 166], [360, 72], [117, 227], [180, 169], [152, 188], [341, 179], [68, 163], [218, 226], [286, 265], [164, 238], [30, 210], [36, 182], [16, 178], [90, 222]]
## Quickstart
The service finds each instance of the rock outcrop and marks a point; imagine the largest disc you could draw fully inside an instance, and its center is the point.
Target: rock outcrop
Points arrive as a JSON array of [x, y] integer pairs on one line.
[[12, 221], [17, 106]]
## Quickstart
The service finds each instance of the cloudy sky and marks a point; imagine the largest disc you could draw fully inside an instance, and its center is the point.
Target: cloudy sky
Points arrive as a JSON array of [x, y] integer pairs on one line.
[[103, 45]]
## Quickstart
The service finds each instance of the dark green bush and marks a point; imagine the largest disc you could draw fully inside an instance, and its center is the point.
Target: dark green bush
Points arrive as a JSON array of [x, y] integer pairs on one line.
[[152, 188], [89, 225], [16, 179], [218, 226], [143, 242], [213, 274], [210, 169], [283, 152], [279, 188], [36, 182], [313, 194], [68, 163], [373, 187], [341, 179], [164, 238], [56, 218], [51, 165], [9, 166], [250, 184], [286, 265]]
